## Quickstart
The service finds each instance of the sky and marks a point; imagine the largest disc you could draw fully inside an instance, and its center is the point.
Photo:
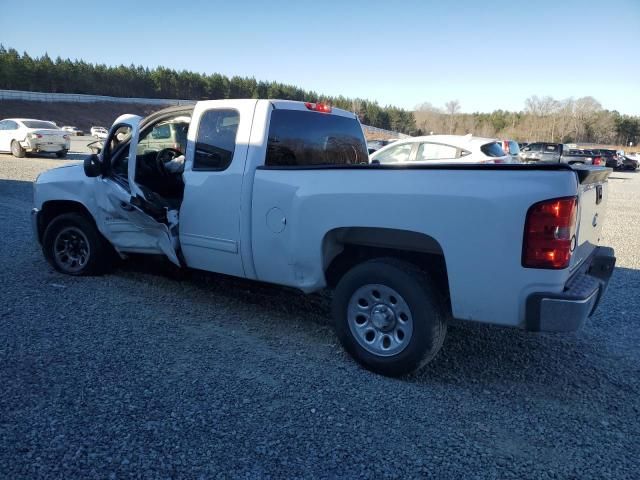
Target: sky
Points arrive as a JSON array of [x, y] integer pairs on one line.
[[486, 54]]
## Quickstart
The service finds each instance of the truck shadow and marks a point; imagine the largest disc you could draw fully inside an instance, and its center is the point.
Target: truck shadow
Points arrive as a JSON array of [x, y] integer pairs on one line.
[[502, 357], [506, 357]]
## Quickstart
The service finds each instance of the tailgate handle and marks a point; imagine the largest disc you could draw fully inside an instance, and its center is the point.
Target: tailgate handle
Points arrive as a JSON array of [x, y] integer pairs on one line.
[[598, 194]]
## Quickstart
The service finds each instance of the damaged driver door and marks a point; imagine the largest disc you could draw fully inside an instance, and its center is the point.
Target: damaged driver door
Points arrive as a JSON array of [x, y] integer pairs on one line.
[[122, 216]]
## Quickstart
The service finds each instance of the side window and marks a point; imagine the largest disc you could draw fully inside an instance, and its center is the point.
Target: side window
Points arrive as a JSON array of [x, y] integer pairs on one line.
[[10, 125], [435, 151], [2, 125], [550, 147], [535, 147], [216, 140], [397, 154], [161, 132], [169, 132]]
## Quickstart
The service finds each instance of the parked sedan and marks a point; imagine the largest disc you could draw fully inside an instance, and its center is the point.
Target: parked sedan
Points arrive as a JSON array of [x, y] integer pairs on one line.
[[375, 145], [610, 157], [22, 135], [99, 132], [433, 149], [72, 130]]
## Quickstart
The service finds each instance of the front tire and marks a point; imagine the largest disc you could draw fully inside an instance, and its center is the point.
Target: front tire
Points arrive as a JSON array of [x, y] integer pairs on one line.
[[17, 150], [389, 316], [73, 245]]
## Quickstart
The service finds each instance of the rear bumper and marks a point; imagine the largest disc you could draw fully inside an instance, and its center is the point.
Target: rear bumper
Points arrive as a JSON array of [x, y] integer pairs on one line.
[[32, 145], [568, 310]]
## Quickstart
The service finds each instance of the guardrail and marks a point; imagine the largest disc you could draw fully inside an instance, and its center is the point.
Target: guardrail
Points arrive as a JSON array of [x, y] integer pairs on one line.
[[385, 132], [82, 98]]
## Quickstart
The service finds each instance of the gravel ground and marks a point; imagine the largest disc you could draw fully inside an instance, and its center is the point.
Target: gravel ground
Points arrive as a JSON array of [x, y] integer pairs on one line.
[[140, 374]]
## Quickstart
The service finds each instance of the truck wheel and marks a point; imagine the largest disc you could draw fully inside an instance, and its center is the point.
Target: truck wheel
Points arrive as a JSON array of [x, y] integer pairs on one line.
[[17, 150], [389, 316], [61, 153], [73, 245]]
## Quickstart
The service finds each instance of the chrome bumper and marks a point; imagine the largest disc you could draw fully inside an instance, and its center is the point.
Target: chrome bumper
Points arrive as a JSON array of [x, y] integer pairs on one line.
[[567, 311]]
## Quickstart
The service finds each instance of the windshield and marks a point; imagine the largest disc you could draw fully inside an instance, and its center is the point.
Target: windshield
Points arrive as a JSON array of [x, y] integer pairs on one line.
[[38, 124]]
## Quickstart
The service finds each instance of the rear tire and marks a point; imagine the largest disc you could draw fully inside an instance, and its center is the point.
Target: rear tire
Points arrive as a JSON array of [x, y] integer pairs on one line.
[[389, 316], [17, 150], [62, 153], [73, 245]]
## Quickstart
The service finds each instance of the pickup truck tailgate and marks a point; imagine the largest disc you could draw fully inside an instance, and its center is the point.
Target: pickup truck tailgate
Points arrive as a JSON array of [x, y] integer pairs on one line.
[[592, 203]]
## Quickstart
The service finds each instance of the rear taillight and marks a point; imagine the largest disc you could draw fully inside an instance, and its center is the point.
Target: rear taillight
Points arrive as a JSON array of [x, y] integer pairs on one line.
[[549, 233], [597, 161], [318, 107]]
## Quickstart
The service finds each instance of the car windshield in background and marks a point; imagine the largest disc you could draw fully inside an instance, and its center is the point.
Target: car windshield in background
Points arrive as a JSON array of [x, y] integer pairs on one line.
[[514, 148], [492, 150], [38, 124], [299, 138]]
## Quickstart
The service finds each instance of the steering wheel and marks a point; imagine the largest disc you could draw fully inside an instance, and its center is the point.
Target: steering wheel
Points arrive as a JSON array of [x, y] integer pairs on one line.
[[163, 156]]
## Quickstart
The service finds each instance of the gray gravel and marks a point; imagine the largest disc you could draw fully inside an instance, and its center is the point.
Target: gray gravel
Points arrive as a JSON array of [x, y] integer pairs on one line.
[[141, 374]]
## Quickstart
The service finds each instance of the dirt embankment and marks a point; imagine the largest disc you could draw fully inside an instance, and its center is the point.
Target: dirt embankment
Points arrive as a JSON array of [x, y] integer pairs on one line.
[[86, 115], [81, 115]]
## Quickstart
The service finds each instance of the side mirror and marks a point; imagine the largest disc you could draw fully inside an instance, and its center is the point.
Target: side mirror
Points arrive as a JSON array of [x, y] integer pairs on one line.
[[92, 166]]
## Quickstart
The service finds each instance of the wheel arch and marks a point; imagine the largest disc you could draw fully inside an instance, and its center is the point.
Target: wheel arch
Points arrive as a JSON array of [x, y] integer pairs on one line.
[[54, 208]]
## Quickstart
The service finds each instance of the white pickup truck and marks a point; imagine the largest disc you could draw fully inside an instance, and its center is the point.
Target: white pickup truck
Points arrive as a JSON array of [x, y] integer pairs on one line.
[[283, 192]]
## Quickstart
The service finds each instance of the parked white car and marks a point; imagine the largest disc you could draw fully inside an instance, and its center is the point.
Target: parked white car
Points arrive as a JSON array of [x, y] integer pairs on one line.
[[281, 192], [442, 149], [99, 132], [72, 130], [24, 135]]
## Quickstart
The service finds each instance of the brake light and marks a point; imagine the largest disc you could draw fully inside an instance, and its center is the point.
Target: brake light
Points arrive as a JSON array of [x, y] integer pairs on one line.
[[597, 161], [318, 107], [549, 233]]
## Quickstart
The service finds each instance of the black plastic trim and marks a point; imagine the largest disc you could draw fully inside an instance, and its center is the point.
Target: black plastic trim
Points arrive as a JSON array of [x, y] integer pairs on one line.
[[467, 166], [588, 175], [599, 265]]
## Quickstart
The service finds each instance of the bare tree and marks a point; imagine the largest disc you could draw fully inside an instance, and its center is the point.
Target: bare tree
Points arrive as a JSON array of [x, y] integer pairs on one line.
[[452, 107], [429, 118], [584, 115]]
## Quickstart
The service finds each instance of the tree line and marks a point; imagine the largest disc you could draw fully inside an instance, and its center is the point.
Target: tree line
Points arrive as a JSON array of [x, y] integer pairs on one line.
[[543, 118], [579, 120], [43, 74]]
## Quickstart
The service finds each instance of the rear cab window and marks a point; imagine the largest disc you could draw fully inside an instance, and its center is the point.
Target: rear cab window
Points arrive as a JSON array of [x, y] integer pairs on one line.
[[299, 138]]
